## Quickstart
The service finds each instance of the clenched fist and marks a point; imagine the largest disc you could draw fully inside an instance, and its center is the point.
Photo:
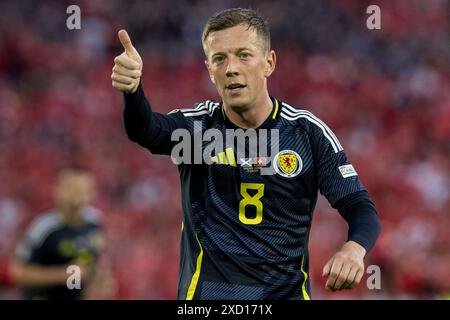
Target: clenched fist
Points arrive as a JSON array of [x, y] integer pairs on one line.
[[127, 69], [346, 268]]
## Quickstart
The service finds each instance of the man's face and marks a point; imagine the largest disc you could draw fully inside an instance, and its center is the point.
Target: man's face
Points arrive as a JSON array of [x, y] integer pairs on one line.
[[75, 190], [239, 64]]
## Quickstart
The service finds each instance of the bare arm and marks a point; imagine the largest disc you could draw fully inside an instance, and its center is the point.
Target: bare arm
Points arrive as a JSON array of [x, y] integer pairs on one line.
[[34, 275]]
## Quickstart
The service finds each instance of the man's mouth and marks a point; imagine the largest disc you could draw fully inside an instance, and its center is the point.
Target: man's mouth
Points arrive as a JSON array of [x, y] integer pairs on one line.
[[235, 86]]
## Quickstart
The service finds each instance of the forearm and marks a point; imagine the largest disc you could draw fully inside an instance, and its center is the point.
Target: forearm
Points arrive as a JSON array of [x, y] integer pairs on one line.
[[363, 222], [364, 225], [33, 275], [151, 130], [138, 116]]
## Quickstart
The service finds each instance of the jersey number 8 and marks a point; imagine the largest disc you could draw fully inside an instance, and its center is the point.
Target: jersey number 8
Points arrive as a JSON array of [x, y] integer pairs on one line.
[[249, 200]]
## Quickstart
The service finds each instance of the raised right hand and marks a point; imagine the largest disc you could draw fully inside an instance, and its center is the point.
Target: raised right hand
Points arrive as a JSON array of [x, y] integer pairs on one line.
[[127, 69]]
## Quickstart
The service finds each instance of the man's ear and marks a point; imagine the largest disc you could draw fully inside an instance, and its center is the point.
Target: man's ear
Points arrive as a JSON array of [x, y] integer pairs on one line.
[[209, 71], [271, 61]]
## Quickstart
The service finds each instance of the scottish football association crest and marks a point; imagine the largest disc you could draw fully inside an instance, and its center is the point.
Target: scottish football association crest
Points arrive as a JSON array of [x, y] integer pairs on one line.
[[287, 163]]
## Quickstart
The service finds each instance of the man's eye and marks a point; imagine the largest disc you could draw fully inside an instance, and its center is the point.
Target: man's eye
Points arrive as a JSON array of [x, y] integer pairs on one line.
[[218, 59], [244, 55]]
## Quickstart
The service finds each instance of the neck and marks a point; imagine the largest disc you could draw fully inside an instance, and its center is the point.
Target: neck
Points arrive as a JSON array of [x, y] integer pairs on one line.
[[252, 117], [71, 216]]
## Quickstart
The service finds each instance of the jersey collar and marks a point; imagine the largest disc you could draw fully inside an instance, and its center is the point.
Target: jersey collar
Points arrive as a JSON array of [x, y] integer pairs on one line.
[[267, 124]]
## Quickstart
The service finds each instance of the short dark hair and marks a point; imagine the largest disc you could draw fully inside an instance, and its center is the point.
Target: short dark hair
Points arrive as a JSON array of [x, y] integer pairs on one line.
[[72, 171], [235, 16]]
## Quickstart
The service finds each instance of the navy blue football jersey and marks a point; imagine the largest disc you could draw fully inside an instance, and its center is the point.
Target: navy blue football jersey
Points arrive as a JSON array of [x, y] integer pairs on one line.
[[245, 234]]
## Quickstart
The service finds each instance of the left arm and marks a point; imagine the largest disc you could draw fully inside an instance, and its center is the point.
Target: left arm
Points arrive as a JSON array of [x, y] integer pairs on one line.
[[338, 181], [346, 268]]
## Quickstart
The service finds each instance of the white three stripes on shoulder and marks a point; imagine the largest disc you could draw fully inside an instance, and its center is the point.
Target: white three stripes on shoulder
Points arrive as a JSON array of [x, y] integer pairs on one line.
[[290, 113], [207, 107], [289, 110]]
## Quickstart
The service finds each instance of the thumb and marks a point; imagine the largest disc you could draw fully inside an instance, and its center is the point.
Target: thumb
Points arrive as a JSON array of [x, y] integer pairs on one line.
[[326, 270], [126, 42]]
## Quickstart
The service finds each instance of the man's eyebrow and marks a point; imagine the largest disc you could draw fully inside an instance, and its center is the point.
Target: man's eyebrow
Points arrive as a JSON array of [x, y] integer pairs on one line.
[[238, 50], [243, 49], [218, 54]]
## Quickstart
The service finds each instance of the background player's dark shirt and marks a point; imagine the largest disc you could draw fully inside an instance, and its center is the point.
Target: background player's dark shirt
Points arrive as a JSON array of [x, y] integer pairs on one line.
[[49, 242], [222, 256]]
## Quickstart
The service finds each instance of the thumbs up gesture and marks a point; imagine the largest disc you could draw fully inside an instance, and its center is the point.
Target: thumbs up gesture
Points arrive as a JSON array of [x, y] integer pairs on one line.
[[127, 69]]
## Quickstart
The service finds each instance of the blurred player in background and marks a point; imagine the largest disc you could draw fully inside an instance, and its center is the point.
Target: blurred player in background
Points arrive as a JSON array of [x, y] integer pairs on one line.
[[67, 235], [245, 235]]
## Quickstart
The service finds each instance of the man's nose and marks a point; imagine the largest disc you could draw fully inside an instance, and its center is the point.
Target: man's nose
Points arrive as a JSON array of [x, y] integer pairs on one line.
[[232, 67]]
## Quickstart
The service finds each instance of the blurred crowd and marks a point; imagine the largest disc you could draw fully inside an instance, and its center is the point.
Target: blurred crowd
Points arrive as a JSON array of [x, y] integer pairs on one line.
[[385, 93]]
